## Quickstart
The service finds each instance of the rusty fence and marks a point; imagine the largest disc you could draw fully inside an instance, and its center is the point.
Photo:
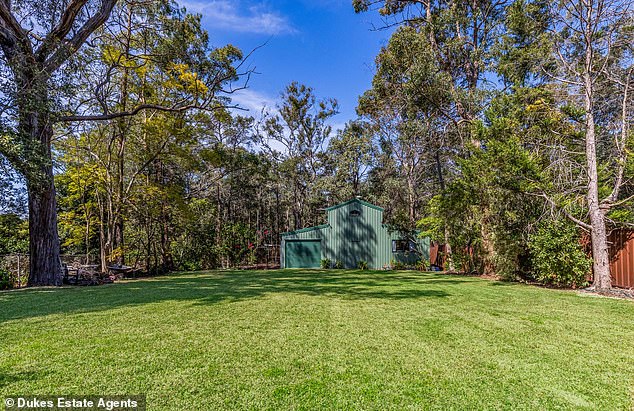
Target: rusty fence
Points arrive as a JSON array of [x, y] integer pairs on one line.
[[621, 243]]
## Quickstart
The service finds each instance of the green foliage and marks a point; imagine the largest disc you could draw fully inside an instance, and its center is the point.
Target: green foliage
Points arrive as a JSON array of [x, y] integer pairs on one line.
[[362, 265], [486, 210], [524, 47], [397, 265], [325, 263], [14, 234], [195, 248], [78, 216], [237, 243], [423, 265], [339, 265], [557, 255], [5, 280], [301, 127], [348, 161]]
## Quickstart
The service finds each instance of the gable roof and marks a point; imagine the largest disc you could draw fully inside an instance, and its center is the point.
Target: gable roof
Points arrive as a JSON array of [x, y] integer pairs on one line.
[[355, 200]]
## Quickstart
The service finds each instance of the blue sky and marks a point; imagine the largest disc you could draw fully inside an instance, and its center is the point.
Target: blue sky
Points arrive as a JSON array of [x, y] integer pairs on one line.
[[323, 44]]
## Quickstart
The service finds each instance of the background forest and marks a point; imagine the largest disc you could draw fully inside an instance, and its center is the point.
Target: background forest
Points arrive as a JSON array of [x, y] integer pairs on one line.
[[501, 128]]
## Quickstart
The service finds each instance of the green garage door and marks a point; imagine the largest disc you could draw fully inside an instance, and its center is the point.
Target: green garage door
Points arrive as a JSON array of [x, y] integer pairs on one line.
[[302, 253]]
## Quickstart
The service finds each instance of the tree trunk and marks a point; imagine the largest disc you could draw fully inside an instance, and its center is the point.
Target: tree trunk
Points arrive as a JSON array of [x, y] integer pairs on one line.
[[102, 235], [600, 255], [441, 181], [45, 268], [488, 248], [44, 246], [411, 198]]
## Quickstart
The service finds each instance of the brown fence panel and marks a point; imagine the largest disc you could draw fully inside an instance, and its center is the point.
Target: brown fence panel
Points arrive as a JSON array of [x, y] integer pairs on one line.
[[437, 255], [622, 258]]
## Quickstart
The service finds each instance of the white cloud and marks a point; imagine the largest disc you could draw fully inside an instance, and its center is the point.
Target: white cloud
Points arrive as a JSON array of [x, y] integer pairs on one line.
[[253, 101], [238, 17]]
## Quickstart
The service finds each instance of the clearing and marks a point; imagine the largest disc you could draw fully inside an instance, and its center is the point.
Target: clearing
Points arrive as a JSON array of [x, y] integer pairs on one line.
[[334, 339]]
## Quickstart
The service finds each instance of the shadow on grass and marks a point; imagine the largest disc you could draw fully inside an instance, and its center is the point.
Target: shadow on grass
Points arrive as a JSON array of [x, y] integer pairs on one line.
[[10, 377], [216, 286]]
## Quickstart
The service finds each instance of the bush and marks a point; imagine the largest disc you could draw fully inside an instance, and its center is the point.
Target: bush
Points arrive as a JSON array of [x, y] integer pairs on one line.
[[325, 263], [339, 264], [557, 256], [423, 265], [397, 265], [362, 265], [5, 280]]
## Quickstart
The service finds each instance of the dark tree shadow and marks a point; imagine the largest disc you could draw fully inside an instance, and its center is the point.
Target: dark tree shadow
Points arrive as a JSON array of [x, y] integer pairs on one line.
[[218, 286]]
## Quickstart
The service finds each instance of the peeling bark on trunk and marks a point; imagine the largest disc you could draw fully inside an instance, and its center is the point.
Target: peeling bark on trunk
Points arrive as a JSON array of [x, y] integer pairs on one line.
[[600, 254]]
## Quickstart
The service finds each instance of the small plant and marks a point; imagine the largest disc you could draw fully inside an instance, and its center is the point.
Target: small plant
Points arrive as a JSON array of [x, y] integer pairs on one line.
[[397, 265], [339, 264], [362, 265], [325, 263], [422, 265]]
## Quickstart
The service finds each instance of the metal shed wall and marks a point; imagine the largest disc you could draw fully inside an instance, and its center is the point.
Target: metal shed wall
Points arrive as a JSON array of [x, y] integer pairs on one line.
[[310, 233], [363, 237]]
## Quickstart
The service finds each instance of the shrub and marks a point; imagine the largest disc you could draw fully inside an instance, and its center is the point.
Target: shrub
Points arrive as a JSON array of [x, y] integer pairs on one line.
[[5, 280], [397, 265], [362, 265], [325, 263], [557, 256], [422, 265], [339, 264]]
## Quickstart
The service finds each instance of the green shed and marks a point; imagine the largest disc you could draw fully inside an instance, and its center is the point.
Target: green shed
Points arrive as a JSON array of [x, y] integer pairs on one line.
[[354, 232]]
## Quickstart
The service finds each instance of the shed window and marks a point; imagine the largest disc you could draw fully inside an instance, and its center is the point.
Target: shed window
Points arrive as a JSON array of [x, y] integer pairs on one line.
[[402, 246], [355, 213]]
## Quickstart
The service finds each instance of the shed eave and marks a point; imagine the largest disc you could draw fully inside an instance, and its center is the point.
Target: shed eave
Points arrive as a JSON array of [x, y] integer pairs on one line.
[[304, 230]]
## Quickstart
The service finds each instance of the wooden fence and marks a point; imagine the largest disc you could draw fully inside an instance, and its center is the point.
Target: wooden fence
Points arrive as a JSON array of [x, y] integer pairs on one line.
[[621, 244]]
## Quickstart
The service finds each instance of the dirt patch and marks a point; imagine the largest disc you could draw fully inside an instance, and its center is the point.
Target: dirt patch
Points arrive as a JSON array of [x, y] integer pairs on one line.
[[613, 293]]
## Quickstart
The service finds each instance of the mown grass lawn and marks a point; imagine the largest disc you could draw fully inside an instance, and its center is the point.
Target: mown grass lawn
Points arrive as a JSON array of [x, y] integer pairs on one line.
[[321, 340]]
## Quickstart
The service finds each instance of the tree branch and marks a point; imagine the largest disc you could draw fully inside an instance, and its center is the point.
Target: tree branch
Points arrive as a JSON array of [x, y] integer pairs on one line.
[[11, 29], [69, 47], [7, 39], [136, 110], [572, 218], [60, 31]]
